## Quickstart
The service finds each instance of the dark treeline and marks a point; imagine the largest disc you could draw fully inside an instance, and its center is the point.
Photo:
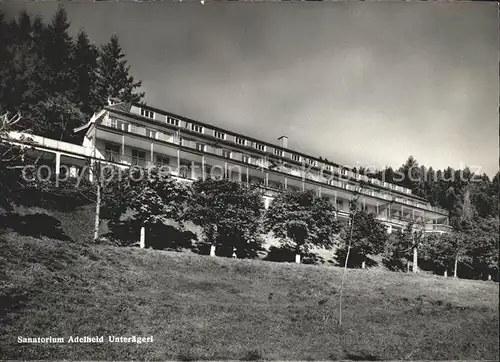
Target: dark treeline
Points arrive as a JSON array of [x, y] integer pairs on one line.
[[445, 188], [473, 204], [55, 81]]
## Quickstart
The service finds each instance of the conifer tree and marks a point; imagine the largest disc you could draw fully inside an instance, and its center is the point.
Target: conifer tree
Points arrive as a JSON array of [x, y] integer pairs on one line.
[[114, 80], [4, 59], [58, 47], [84, 67]]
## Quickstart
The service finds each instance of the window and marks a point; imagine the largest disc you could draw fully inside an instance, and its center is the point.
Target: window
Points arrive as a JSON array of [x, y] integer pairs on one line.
[[278, 152], [340, 204], [245, 158], [173, 121], [135, 128], [220, 135], [311, 162], [260, 147], [241, 141], [261, 162], [118, 124], [296, 157], [185, 170], [217, 151], [200, 147], [196, 128], [146, 113], [162, 160], [226, 153], [150, 133], [138, 158], [328, 167], [112, 152]]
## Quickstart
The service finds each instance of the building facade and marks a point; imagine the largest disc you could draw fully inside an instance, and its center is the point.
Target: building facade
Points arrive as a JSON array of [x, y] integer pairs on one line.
[[138, 135], [127, 135]]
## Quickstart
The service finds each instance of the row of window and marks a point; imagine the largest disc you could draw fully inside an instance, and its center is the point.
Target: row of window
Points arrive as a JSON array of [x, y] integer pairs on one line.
[[221, 135], [240, 141], [147, 114], [112, 153], [119, 124], [200, 129]]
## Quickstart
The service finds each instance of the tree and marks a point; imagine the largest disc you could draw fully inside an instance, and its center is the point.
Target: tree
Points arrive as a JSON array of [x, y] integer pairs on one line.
[[84, 68], [56, 117], [494, 192], [114, 80], [98, 186], [18, 64], [301, 220], [439, 250], [54, 82], [484, 251], [484, 197], [396, 254], [229, 214], [58, 48], [353, 208], [11, 161], [146, 197], [368, 237], [463, 224], [398, 249], [412, 176], [3, 37]]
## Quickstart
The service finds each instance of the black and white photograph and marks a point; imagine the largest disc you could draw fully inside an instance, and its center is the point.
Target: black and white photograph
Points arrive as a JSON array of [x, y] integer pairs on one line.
[[249, 180]]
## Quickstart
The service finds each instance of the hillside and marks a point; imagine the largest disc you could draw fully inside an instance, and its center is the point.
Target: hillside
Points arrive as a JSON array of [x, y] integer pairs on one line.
[[197, 307]]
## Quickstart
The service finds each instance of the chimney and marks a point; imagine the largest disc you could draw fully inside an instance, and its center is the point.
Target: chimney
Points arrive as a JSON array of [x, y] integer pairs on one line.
[[283, 141]]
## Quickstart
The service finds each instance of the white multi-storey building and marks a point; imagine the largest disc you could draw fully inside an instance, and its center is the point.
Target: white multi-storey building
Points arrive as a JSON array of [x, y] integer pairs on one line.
[[138, 135]]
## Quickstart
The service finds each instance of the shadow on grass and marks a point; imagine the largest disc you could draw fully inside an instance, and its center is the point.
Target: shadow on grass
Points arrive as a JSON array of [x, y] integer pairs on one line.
[[65, 200], [168, 237], [361, 357], [35, 225], [355, 259], [284, 254], [224, 248], [14, 300], [158, 236]]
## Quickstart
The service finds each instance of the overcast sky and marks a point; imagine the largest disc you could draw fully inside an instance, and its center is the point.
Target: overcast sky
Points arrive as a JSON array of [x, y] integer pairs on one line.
[[358, 83]]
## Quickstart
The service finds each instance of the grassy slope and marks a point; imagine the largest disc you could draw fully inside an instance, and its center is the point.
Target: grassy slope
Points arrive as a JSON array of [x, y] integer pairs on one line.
[[198, 307]]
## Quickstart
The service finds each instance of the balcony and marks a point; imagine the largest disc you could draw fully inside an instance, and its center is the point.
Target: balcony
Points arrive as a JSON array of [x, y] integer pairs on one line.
[[112, 156], [263, 163], [141, 131], [437, 228]]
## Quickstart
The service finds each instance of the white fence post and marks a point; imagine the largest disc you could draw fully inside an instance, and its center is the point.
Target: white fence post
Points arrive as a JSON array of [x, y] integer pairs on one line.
[[143, 238]]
